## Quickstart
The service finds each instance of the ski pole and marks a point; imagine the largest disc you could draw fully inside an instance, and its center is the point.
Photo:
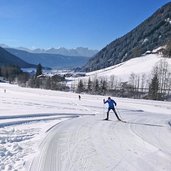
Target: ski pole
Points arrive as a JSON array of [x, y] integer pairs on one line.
[[119, 114], [103, 110]]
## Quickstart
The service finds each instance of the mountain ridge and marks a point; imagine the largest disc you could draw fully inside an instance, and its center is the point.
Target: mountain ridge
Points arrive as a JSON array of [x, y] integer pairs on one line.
[[152, 33], [50, 60], [79, 51], [6, 59]]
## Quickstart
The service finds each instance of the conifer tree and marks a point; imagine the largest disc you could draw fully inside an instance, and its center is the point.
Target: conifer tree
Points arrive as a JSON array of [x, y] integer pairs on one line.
[[39, 70], [153, 88], [89, 86], [80, 87], [103, 87], [96, 86]]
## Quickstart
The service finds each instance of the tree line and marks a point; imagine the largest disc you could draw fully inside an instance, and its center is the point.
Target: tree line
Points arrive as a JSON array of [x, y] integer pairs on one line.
[[13, 74], [156, 86]]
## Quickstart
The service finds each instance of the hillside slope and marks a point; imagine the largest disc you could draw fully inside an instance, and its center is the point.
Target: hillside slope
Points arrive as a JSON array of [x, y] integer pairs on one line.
[[139, 66], [7, 58], [151, 34]]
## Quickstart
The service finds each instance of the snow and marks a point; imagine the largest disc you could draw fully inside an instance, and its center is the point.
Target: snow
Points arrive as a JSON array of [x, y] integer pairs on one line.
[[168, 20], [44, 130], [145, 40], [140, 65]]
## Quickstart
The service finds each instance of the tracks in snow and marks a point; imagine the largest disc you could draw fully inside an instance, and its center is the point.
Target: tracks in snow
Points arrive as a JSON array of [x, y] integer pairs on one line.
[[88, 144], [22, 119]]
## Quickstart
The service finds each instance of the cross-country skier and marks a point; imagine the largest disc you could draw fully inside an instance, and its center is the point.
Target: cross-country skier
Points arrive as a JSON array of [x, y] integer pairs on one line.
[[112, 105]]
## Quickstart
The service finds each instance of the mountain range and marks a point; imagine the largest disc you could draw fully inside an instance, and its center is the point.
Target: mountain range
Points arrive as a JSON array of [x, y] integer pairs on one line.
[[154, 32], [56, 61], [79, 51], [60, 58]]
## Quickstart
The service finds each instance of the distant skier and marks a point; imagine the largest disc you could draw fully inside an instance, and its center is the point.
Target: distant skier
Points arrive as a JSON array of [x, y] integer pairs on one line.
[[79, 97], [112, 105]]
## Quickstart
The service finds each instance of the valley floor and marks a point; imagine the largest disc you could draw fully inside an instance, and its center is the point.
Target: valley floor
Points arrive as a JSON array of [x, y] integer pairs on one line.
[[45, 130]]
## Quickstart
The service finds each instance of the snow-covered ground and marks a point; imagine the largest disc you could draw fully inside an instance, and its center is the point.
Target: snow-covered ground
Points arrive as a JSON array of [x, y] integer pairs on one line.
[[140, 65], [44, 130]]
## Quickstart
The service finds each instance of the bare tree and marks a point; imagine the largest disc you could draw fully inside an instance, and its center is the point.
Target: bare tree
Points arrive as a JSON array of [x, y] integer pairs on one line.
[[112, 82], [143, 80], [167, 51], [163, 74], [103, 86]]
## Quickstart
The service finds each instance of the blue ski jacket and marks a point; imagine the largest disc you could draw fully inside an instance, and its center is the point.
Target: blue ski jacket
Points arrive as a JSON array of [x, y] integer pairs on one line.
[[111, 103]]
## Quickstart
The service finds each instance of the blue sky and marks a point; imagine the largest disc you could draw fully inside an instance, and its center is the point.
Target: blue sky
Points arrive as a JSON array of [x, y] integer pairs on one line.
[[70, 23]]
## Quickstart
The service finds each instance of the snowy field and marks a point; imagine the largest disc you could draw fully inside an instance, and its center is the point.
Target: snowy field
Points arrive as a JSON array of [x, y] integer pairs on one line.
[[44, 130], [139, 66]]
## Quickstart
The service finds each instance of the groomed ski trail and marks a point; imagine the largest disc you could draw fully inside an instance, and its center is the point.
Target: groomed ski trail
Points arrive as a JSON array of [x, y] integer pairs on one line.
[[90, 144]]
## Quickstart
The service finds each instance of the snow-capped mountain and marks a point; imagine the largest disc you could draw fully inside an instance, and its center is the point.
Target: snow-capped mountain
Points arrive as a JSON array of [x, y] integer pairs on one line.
[[49, 59], [79, 51], [60, 58]]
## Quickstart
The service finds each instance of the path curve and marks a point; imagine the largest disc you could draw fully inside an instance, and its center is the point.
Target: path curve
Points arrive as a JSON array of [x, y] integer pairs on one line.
[[90, 144]]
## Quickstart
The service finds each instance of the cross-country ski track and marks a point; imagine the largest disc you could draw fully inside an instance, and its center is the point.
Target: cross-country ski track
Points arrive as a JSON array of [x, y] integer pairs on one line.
[[43, 130], [90, 144]]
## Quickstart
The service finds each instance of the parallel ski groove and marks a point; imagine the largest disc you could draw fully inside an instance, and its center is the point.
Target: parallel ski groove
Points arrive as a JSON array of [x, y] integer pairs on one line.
[[77, 145]]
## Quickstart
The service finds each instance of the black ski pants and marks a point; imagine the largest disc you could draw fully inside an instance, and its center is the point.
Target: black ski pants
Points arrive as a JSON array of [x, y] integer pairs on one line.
[[114, 113]]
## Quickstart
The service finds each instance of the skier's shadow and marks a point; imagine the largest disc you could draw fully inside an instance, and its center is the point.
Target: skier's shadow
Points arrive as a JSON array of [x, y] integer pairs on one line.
[[144, 124]]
